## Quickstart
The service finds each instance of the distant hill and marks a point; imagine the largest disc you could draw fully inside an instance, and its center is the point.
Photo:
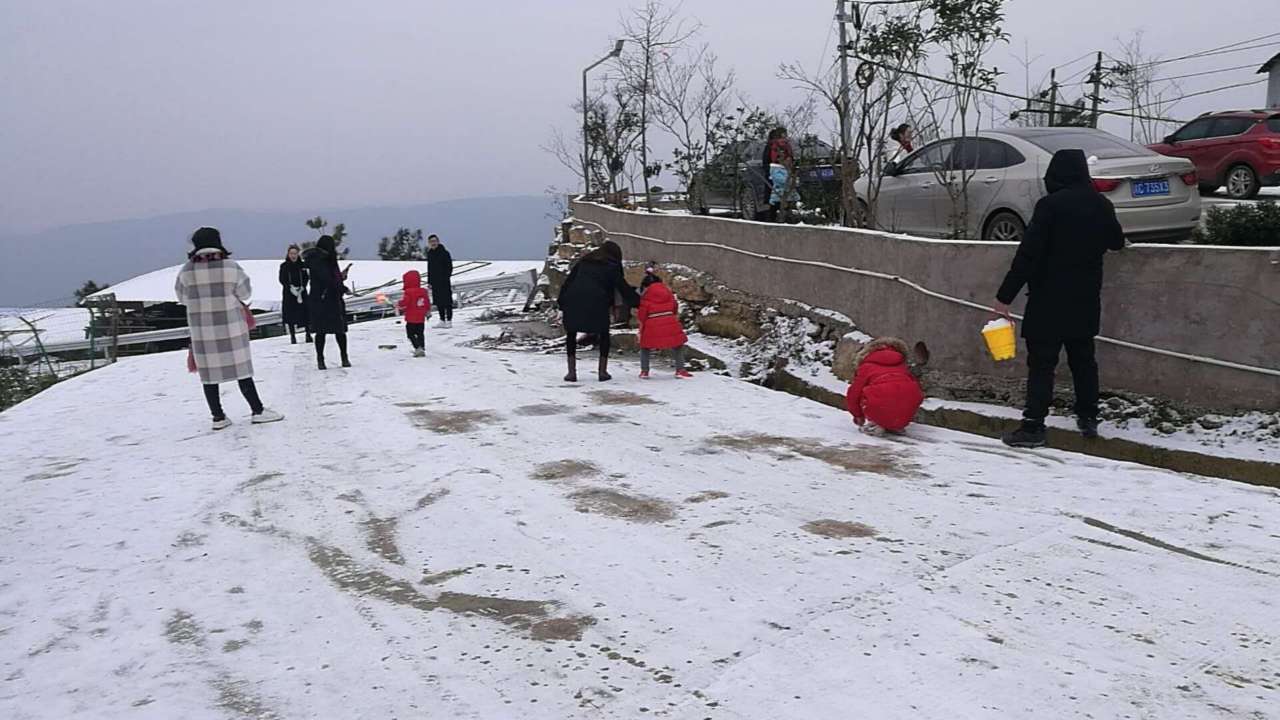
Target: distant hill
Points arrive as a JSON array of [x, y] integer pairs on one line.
[[43, 269]]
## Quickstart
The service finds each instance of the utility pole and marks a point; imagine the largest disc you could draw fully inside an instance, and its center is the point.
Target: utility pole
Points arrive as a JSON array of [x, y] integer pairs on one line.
[[845, 126], [1053, 96], [847, 162], [1097, 91]]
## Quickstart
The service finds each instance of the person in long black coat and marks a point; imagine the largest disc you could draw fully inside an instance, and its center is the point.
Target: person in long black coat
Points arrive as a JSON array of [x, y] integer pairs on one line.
[[440, 278], [1060, 263], [293, 288], [586, 303], [326, 309]]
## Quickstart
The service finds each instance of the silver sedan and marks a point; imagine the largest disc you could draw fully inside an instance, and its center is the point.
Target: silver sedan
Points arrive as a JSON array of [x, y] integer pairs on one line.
[[1155, 196]]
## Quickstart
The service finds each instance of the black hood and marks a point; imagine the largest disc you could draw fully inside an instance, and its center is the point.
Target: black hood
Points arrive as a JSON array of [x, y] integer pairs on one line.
[[1069, 168]]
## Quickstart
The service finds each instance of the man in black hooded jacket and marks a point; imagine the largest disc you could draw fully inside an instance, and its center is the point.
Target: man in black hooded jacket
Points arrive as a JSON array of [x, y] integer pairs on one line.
[[1060, 264], [440, 278]]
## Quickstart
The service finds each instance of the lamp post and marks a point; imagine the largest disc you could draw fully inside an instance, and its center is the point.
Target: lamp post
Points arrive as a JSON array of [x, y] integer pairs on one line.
[[586, 140]]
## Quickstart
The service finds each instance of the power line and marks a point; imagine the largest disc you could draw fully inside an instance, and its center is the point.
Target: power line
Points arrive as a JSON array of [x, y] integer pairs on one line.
[[1209, 92], [1225, 50], [992, 91], [1206, 72]]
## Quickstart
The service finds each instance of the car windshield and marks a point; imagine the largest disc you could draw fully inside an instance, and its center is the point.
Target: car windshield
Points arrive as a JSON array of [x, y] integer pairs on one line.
[[1100, 145]]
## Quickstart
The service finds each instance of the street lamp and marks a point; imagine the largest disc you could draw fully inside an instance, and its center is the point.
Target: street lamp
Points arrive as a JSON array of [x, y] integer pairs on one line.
[[586, 141]]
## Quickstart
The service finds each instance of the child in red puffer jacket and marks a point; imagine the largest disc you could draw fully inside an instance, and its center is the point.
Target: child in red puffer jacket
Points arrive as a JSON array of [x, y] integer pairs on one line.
[[883, 390], [660, 327], [416, 306]]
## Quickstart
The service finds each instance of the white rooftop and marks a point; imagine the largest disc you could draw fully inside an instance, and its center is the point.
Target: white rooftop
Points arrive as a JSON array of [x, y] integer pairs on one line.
[[157, 285]]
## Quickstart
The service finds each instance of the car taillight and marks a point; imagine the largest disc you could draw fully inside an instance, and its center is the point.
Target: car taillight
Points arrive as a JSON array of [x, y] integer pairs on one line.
[[1270, 143], [1190, 178], [1105, 185]]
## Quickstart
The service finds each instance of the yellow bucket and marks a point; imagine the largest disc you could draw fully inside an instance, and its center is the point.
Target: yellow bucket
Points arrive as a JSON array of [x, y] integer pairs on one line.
[[1001, 340]]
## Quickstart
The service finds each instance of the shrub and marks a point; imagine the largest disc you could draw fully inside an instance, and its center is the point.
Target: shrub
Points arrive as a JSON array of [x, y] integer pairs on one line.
[[1243, 225], [17, 383]]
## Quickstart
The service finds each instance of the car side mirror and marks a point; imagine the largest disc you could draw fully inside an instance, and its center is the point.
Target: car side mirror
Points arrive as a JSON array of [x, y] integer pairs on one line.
[[1170, 140], [891, 168]]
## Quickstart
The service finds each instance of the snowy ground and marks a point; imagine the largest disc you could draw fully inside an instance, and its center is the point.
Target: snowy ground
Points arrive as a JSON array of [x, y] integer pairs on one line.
[[464, 536]]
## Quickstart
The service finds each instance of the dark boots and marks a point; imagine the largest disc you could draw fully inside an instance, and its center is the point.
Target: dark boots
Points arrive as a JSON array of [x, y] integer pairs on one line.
[[572, 375], [1029, 435], [1088, 427], [604, 369]]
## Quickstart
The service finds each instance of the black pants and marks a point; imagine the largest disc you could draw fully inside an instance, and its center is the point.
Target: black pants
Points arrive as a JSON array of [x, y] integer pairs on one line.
[[293, 333], [342, 345], [602, 342], [415, 333], [1042, 359], [247, 388], [442, 296]]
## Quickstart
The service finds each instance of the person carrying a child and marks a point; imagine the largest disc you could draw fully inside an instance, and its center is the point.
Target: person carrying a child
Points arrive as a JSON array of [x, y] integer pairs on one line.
[[660, 327], [416, 307], [883, 391]]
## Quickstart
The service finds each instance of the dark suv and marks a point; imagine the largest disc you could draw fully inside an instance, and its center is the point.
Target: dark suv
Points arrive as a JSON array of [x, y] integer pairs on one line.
[[1238, 149], [737, 180]]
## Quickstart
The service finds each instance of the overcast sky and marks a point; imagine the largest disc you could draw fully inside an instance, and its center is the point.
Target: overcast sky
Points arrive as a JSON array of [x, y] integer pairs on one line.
[[126, 108]]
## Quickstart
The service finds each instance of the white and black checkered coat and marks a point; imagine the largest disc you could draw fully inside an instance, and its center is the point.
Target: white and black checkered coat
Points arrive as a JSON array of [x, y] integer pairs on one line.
[[214, 291]]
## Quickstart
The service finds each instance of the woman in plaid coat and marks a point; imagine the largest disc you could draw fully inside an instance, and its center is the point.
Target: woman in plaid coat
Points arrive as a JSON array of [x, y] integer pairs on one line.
[[215, 290]]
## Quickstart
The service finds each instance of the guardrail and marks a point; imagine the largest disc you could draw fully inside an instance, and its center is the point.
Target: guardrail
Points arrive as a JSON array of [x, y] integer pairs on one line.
[[470, 292]]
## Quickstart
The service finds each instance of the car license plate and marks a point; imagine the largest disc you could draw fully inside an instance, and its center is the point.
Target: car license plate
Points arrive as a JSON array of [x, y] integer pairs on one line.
[[828, 173], [1147, 188]]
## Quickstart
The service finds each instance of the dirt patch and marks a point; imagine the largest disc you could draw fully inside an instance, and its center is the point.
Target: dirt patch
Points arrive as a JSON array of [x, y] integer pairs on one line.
[[603, 501], [380, 538], [415, 404], [258, 480], [451, 422], [621, 397], [231, 646], [851, 459], [1154, 542], [437, 578], [595, 418], [707, 496], [719, 523], [541, 410], [236, 697], [431, 498], [561, 628], [189, 539], [839, 529], [348, 575], [182, 629], [564, 470], [355, 496], [55, 470]]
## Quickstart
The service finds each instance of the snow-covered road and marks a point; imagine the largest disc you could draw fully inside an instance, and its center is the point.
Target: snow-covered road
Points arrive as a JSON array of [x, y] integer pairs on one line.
[[464, 536]]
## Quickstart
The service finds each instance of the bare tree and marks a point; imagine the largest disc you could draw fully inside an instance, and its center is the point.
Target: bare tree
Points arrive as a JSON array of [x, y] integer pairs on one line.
[[965, 31], [613, 130], [654, 32], [689, 95], [1146, 94], [890, 45]]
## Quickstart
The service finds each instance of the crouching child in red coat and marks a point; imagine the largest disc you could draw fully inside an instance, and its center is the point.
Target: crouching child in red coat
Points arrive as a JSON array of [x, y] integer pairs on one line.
[[660, 327], [415, 304], [883, 391]]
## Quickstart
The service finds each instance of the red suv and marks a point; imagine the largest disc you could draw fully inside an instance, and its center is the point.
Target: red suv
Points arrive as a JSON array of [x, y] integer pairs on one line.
[[1238, 149]]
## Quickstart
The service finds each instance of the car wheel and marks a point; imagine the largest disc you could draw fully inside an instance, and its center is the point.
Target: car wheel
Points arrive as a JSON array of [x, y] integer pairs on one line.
[[1207, 189], [1242, 183], [1004, 226], [747, 203]]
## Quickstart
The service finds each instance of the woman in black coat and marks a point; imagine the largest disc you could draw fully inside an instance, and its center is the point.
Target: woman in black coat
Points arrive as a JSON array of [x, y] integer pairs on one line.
[[326, 310], [586, 302], [293, 284]]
